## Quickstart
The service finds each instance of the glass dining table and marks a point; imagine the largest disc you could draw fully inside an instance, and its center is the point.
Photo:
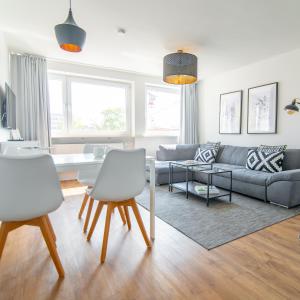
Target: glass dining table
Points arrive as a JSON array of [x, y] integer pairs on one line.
[[84, 161]]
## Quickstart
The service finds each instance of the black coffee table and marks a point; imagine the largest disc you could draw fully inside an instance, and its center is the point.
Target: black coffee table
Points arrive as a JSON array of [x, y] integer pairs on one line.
[[188, 186]]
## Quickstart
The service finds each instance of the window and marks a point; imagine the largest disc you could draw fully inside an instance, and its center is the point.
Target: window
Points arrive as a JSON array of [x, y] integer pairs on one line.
[[88, 107], [162, 110]]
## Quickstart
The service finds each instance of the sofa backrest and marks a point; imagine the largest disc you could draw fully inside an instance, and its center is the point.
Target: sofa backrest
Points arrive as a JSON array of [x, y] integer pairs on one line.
[[291, 159], [236, 155], [176, 152]]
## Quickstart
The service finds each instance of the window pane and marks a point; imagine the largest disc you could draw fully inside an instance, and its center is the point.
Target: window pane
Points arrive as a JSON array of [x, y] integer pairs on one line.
[[98, 107], [163, 109], [56, 105]]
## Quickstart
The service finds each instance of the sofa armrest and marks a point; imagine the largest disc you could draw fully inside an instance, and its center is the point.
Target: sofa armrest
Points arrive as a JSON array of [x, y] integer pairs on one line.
[[290, 175], [159, 155], [176, 152]]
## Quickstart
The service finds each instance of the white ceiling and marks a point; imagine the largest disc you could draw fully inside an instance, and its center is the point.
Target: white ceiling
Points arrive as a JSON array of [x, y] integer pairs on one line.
[[224, 34]]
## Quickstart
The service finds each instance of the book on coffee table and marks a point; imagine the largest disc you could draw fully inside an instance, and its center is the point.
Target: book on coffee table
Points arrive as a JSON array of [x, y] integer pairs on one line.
[[202, 190]]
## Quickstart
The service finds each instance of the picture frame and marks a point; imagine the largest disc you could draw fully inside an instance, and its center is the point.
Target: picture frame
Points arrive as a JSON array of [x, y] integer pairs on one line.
[[230, 112], [262, 109]]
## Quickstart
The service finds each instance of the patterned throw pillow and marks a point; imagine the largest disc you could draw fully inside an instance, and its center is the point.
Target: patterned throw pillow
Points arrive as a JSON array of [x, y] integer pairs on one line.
[[212, 145], [206, 155], [266, 162], [270, 149], [208, 146]]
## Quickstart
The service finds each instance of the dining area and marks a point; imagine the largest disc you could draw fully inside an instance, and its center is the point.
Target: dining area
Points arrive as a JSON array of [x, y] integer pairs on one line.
[[110, 179]]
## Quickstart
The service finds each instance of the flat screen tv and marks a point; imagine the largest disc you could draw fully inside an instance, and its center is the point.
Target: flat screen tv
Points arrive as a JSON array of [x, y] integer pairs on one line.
[[8, 108]]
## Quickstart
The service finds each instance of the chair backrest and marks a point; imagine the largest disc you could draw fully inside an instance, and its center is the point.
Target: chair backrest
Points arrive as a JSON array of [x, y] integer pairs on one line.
[[89, 148], [29, 187], [122, 175]]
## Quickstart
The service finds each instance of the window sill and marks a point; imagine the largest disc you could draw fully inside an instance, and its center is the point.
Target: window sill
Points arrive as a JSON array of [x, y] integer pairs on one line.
[[90, 139], [160, 135]]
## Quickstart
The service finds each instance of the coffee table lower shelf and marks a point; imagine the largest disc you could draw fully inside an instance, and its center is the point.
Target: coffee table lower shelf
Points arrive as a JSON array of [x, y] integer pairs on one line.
[[191, 190]]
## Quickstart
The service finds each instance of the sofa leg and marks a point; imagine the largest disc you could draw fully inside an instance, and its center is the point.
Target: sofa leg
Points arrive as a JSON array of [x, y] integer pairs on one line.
[[266, 194]]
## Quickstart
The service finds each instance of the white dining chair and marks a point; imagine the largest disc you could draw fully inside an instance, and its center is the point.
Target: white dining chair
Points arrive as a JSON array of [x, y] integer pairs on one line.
[[120, 180], [88, 177], [30, 190]]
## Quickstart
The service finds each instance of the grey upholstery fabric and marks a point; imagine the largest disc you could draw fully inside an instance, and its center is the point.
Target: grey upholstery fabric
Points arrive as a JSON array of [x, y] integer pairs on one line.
[[162, 173], [285, 193], [162, 167], [232, 155], [250, 176], [290, 175], [242, 174], [176, 152], [281, 188], [291, 159], [246, 188]]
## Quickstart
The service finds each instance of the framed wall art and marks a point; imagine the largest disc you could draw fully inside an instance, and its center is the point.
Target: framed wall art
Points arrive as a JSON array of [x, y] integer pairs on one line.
[[262, 108], [230, 113]]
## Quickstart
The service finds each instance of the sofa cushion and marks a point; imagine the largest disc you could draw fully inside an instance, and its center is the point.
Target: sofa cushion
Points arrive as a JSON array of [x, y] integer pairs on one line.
[[176, 152], [200, 176], [234, 155], [242, 174], [162, 167], [291, 159], [250, 176]]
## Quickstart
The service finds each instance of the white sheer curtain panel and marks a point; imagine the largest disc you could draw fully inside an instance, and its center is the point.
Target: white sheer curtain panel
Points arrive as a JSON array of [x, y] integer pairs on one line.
[[29, 82], [189, 131]]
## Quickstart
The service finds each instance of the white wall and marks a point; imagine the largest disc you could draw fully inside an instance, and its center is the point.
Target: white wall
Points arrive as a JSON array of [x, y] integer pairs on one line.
[[283, 68], [3, 60], [4, 134], [138, 81]]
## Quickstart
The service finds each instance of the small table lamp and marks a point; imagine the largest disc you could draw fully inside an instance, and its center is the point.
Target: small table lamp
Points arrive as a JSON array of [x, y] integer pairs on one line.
[[293, 108]]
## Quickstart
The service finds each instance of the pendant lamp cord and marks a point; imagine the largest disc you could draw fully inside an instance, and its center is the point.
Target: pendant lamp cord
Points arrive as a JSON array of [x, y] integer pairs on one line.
[[70, 4]]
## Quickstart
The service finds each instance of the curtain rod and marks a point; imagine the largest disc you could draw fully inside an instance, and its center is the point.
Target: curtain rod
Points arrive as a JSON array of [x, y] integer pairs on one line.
[[27, 54]]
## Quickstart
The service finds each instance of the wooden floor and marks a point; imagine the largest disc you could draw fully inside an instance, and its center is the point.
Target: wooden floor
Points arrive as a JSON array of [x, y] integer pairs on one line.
[[263, 265]]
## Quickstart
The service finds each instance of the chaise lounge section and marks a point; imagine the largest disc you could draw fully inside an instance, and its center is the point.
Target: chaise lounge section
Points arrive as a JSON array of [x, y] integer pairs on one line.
[[281, 188]]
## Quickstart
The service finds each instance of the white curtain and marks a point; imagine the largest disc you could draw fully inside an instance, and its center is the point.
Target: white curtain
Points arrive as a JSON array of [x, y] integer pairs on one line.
[[29, 81], [189, 115]]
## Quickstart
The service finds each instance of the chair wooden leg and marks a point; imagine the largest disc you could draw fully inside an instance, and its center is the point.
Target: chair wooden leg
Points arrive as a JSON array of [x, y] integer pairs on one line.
[[83, 205], [121, 212], [51, 228], [88, 215], [127, 217], [43, 224], [140, 222], [110, 207], [3, 235], [95, 220]]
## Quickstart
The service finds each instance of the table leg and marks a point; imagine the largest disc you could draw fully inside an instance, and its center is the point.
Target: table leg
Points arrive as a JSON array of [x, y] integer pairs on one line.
[[169, 177], [187, 182], [172, 167], [230, 197], [208, 185], [152, 199]]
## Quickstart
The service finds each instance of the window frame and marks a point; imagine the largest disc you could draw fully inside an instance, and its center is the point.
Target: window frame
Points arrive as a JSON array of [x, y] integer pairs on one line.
[[67, 80], [160, 133]]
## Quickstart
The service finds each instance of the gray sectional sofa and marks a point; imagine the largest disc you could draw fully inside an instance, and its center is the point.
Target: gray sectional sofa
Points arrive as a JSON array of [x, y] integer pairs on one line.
[[282, 188]]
